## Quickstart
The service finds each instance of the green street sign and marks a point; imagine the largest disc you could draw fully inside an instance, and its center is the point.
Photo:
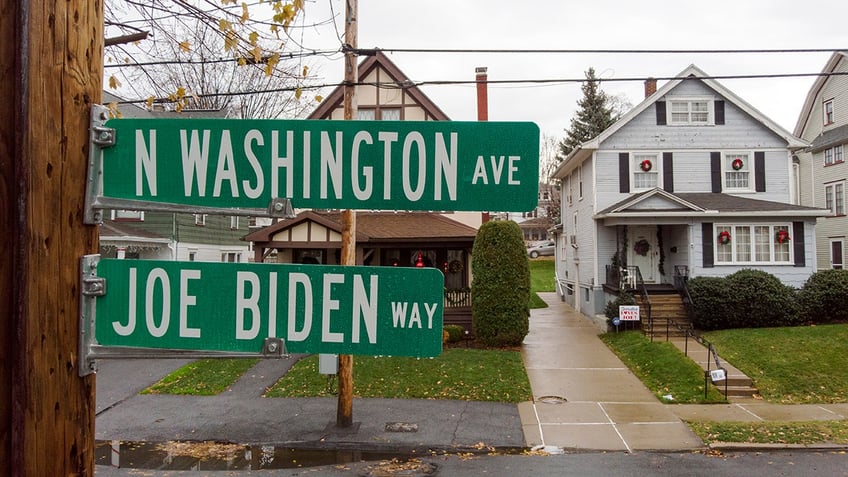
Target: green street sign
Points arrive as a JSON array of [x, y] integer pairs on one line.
[[374, 165], [234, 307]]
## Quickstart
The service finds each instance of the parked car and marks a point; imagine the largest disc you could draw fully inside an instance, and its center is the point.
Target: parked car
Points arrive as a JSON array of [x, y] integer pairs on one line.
[[543, 248]]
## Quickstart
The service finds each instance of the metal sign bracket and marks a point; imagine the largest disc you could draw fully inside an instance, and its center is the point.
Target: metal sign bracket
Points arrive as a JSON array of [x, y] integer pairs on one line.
[[100, 137]]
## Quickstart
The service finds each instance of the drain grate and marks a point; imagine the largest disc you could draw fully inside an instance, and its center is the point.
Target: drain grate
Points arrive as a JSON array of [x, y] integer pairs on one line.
[[551, 400]]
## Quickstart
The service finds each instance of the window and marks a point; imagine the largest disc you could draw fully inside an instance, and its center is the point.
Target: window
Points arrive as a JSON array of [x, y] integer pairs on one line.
[[737, 171], [836, 259], [568, 189], [834, 198], [234, 222], [694, 111], [580, 182], [827, 109], [231, 257], [199, 219], [128, 215], [645, 171], [192, 256], [753, 244], [386, 114], [833, 155]]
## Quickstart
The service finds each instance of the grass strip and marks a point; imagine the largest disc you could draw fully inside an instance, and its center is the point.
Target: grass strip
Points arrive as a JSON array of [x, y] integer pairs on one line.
[[805, 433], [663, 368], [206, 377], [790, 365], [462, 374]]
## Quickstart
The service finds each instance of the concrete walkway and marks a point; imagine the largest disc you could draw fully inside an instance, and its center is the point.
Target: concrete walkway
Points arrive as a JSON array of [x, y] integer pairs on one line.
[[586, 399], [584, 396]]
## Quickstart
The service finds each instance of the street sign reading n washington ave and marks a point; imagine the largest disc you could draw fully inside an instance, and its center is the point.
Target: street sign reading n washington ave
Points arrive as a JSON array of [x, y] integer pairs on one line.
[[210, 306], [384, 165]]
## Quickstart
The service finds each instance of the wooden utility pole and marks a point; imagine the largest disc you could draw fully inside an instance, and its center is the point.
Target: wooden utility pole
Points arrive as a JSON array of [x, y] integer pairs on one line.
[[344, 410], [51, 62]]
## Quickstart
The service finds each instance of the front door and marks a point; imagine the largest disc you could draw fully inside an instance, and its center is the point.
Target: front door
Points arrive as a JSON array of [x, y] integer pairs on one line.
[[642, 250]]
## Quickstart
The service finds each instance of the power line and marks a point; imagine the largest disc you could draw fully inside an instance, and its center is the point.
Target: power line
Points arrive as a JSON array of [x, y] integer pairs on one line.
[[405, 85]]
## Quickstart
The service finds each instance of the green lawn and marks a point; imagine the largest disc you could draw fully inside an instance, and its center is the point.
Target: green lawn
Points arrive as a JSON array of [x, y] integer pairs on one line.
[[464, 374], [205, 377], [662, 368], [541, 280], [808, 433], [791, 365]]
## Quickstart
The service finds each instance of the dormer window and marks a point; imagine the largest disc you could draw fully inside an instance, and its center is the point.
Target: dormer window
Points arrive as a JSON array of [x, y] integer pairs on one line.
[[689, 111]]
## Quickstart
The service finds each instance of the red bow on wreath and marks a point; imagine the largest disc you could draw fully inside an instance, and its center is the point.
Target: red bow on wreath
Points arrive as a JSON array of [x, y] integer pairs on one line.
[[646, 165], [781, 236], [724, 237]]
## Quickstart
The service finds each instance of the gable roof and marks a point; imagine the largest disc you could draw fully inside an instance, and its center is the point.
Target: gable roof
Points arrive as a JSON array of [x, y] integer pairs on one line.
[[692, 72], [379, 227], [707, 204], [399, 79], [810, 101]]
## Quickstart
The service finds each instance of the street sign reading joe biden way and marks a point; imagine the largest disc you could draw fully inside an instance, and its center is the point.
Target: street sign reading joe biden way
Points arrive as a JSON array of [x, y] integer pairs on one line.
[[385, 165], [233, 307]]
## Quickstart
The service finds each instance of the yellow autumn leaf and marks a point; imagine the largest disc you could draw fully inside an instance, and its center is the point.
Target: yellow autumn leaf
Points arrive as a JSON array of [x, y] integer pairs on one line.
[[242, 61], [319, 98], [257, 54], [245, 14], [271, 63], [113, 110], [150, 102], [297, 93], [180, 92], [230, 41], [224, 25], [185, 46], [253, 37], [114, 83], [305, 71]]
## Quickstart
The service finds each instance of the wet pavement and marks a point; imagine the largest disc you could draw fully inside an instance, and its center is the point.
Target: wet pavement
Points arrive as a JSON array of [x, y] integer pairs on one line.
[[585, 400]]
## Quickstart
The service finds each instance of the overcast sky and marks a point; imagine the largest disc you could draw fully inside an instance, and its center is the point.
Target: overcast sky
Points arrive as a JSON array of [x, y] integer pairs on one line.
[[595, 24]]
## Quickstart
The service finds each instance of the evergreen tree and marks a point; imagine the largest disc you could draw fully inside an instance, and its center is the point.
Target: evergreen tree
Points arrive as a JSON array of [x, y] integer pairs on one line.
[[596, 113]]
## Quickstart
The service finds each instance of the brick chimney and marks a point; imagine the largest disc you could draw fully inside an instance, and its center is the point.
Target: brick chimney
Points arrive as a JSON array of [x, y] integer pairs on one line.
[[482, 93], [650, 86]]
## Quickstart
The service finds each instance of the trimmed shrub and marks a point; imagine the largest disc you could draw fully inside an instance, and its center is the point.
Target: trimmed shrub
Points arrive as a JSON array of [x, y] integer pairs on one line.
[[713, 307], [500, 311], [454, 332], [761, 300], [824, 297], [745, 299]]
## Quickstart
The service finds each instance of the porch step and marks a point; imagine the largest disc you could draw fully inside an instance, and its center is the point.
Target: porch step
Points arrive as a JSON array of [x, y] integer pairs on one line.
[[667, 313]]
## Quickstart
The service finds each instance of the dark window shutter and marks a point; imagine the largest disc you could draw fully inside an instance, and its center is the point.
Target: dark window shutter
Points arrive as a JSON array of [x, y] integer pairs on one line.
[[760, 171], [707, 244], [668, 172], [715, 170], [660, 105], [719, 111], [798, 243], [624, 172]]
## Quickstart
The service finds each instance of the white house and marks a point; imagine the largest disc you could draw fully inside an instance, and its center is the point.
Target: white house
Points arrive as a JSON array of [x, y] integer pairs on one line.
[[823, 123], [693, 181]]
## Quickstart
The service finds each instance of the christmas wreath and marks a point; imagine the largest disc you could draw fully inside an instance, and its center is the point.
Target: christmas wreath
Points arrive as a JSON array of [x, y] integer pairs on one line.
[[737, 164], [455, 266], [646, 165], [724, 237], [642, 247], [782, 236]]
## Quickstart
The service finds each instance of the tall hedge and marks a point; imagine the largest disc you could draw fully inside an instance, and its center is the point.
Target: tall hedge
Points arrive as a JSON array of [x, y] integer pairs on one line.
[[500, 290], [824, 297]]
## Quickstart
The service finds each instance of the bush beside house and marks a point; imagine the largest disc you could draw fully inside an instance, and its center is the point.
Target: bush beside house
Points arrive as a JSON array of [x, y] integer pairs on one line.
[[824, 297], [500, 300], [753, 299]]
